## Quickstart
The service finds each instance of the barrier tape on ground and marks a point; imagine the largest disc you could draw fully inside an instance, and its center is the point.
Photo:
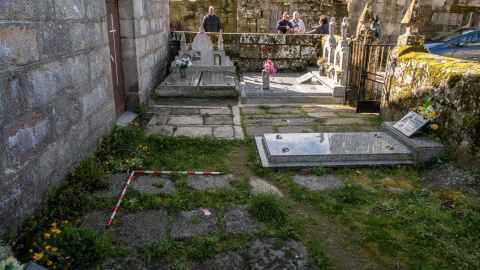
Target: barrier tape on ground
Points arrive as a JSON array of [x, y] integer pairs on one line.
[[149, 172], [120, 200]]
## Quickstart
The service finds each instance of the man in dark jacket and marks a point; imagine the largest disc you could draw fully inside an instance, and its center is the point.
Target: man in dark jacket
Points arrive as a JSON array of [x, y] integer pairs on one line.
[[211, 22], [284, 25], [322, 28]]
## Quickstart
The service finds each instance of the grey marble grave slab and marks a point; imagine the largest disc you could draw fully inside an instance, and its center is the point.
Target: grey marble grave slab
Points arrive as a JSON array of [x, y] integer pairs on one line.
[[174, 82], [217, 80], [331, 149], [282, 85], [423, 148]]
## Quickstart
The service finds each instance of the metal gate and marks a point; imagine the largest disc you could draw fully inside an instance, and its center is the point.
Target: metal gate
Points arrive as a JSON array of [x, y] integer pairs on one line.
[[366, 74]]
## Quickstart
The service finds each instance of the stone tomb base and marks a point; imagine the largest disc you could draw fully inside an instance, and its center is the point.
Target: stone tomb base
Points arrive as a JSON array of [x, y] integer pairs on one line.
[[284, 88], [344, 149], [207, 82]]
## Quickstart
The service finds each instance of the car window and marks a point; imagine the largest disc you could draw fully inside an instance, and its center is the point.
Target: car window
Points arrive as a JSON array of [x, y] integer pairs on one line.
[[474, 40], [451, 35]]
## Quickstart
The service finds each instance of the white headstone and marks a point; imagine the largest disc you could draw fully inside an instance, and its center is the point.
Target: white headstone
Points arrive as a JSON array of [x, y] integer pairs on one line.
[[411, 123]]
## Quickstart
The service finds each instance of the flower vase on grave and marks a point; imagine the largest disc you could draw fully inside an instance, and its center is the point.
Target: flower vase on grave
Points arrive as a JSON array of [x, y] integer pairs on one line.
[[266, 80], [183, 73], [322, 71]]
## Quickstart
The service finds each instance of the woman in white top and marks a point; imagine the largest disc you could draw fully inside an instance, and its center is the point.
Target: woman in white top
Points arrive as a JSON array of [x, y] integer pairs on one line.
[[298, 25]]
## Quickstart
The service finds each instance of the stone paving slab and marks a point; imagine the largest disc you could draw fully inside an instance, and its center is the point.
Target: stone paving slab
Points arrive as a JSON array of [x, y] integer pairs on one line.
[[223, 132], [283, 121], [238, 220], [253, 110], [295, 129], [327, 182], [224, 261], [284, 110], [259, 130], [323, 115], [138, 228], [117, 183], [260, 185], [193, 131], [160, 130], [97, 220], [239, 133], [153, 121], [275, 116], [328, 109], [159, 110], [146, 183], [347, 121], [218, 120], [210, 182], [215, 111], [185, 111], [273, 254], [445, 176], [187, 224], [162, 120], [237, 120], [185, 120]]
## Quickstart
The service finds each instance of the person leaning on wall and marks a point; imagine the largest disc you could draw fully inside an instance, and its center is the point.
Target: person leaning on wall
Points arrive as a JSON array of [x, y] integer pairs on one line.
[[211, 22], [284, 25], [376, 26], [298, 25], [322, 28]]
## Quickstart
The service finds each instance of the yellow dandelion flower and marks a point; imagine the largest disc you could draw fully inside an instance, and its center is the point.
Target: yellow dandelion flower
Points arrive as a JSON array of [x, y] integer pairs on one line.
[[49, 263], [140, 146], [46, 236], [54, 249], [149, 153], [48, 247], [106, 172], [37, 256], [34, 244], [434, 127], [65, 221], [133, 159], [30, 250], [161, 146], [54, 224]]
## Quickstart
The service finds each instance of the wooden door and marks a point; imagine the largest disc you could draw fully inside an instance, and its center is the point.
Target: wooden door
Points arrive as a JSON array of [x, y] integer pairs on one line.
[[116, 57], [276, 14]]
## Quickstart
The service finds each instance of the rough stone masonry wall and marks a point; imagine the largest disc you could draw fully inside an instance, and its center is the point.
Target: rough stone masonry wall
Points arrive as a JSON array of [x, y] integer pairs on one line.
[[182, 12], [56, 95], [440, 15], [455, 89], [249, 51], [144, 31]]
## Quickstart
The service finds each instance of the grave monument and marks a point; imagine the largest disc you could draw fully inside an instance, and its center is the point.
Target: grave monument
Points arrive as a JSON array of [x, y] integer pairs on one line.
[[212, 72]]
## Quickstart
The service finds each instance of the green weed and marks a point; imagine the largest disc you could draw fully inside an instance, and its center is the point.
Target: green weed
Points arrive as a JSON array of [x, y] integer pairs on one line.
[[155, 250], [319, 171], [204, 248], [268, 207]]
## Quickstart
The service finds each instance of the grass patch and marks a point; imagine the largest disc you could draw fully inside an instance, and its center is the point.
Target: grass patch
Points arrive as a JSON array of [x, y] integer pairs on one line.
[[268, 207]]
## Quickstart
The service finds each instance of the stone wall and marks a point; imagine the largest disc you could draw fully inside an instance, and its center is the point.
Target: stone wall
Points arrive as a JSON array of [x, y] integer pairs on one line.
[[182, 14], [455, 89], [252, 16], [249, 51], [144, 30], [56, 97], [440, 15]]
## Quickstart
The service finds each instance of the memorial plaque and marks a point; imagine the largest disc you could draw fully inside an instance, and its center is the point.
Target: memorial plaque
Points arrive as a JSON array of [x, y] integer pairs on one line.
[[305, 77], [197, 56], [411, 123]]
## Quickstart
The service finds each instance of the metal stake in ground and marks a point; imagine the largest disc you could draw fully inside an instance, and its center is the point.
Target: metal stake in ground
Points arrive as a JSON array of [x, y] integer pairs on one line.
[[120, 200], [173, 172]]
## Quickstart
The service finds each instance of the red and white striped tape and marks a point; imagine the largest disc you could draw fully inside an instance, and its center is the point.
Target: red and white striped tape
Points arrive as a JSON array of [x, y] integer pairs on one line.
[[149, 172], [180, 172], [120, 200]]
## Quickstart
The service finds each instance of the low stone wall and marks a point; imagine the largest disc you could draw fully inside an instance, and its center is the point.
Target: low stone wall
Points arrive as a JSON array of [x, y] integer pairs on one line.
[[249, 51], [455, 89]]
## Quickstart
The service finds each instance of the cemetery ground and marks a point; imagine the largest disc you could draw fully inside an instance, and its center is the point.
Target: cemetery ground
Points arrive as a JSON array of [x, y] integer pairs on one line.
[[401, 217]]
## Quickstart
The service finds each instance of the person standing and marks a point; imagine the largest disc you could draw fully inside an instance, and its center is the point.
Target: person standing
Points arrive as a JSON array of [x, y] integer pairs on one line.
[[211, 22], [298, 25], [376, 26], [284, 25], [323, 28]]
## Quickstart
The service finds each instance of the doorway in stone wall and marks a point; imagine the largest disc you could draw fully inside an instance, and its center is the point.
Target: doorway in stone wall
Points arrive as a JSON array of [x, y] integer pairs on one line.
[[115, 56], [276, 13], [475, 19]]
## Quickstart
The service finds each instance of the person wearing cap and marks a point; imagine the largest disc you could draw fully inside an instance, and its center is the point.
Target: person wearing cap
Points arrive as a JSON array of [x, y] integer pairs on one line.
[[211, 22], [376, 26]]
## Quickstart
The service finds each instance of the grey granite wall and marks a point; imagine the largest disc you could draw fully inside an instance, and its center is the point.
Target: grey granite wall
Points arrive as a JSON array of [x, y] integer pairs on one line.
[[249, 51], [56, 95], [144, 30]]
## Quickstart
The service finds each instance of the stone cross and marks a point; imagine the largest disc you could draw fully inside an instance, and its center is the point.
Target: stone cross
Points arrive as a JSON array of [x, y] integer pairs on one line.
[[344, 28], [201, 15], [331, 29], [183, 42]]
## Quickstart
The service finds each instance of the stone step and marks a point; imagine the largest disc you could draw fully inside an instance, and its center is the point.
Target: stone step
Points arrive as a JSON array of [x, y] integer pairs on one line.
[[331, 149]]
